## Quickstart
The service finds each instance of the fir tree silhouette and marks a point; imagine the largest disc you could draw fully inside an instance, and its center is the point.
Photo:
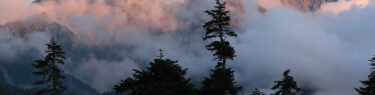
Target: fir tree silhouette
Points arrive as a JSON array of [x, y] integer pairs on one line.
[[49, 71], [221, 82], [218, 28], [163, 77], [369, 85], [287, 86]]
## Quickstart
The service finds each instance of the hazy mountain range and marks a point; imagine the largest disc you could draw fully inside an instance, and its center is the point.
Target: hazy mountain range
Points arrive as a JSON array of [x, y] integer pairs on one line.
[[18, 73]]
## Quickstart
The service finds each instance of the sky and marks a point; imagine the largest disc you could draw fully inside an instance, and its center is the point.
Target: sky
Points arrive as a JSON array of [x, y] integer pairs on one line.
[[327, 50]]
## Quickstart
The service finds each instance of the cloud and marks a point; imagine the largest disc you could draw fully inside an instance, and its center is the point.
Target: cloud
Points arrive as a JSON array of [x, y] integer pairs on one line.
[[344, 5], [8, 44], [269, 4], [11, 10], [102, 75], [12, 48], [305, 6], [325, 52], [90, 18]]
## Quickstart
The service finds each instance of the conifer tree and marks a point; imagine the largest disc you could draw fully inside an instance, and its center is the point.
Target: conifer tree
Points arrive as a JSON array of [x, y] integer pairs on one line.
[[369, 85], [287, 86], [221, 82], [218, 30], [164, 77], [257, 92], [49, 71]]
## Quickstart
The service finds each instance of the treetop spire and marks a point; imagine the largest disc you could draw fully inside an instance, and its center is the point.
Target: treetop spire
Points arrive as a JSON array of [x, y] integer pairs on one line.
[[161, 55]]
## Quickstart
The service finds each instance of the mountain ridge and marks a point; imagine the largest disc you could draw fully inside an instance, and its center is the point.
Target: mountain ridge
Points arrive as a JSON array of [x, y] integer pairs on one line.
[[18, 73], [305, 5]]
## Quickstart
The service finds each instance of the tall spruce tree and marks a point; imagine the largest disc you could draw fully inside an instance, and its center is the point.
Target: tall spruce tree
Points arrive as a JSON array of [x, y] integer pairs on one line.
[[164, 77], [287, 86], [369, 85], [257, 92], [49, 71], [221, 82], [218, 28]]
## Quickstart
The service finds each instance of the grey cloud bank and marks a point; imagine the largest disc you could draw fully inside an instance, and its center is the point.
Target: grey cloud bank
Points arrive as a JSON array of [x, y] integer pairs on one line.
[[325, 52]]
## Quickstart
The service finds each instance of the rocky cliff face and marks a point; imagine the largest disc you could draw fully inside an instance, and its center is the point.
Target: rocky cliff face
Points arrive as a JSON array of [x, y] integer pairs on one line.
[[305, 5], [21, 29]]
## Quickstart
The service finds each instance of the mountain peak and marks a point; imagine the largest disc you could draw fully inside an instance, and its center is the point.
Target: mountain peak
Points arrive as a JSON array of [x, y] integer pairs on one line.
[[305, 5]]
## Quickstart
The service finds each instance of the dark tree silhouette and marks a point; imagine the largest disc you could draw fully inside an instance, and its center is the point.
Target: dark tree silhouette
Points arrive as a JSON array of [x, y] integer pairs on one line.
[[164, 77], [218, 28], [287, 86], [221, 82], [369, 85], [257, 92], [306, 92], [49, 71]]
